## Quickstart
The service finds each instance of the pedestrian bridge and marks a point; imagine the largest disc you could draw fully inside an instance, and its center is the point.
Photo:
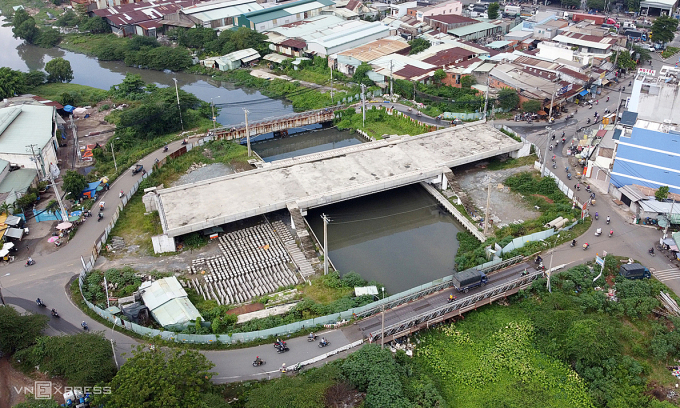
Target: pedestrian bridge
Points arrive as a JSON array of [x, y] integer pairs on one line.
[[320, 179], [277, 125]]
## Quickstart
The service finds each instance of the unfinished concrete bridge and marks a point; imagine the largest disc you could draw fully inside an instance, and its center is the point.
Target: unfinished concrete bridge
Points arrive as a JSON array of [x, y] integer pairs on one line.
[[324, 178], [278, 125]]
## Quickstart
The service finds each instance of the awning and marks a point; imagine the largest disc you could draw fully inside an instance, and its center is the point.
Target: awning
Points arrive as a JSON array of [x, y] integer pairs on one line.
[[542, 113], [584, 92], [15, 233], [251, 58], [276, 58], [605, 82]]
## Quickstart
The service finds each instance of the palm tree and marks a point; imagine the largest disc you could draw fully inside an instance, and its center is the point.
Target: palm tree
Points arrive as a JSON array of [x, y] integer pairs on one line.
[[4, 208], [52, 207]]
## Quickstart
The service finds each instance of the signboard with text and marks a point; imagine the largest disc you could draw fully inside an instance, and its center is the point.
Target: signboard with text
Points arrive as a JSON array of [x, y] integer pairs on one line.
[[646, 71]]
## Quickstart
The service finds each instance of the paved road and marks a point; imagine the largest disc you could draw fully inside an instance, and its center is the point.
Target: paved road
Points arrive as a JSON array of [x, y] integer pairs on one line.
[[49, 278]]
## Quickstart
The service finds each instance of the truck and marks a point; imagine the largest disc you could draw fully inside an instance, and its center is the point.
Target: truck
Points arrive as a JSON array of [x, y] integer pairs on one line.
[[466, 280], [599, 20], [513, 10], [634, 271]]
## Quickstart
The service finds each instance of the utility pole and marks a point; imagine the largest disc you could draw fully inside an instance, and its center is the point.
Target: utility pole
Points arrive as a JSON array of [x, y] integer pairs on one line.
[[332, 83], [363, 105], [178, 107], [618, 107], [212, 106], [548, 142], [113, 153], [326, 220], [486, 104], [488, 203], [35, 159], [246, 111], [391, 90], [551, 259], [382, 324], [64, 214]]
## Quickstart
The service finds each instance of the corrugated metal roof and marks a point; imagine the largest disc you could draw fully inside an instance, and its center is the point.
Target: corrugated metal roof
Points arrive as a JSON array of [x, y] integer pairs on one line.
[[241, 55], [316, 27], [282, 10], [628, 118], [175, 311], [277, 58], [24, 125], [632, 192], [376, 49], [18, 180], [222, 9], [471, 29], [161, 291], [357, 33]]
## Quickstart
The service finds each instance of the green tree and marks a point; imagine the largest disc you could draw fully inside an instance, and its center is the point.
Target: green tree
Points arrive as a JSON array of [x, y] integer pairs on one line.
[[508, 98], [418, 45], [95, 25], [633, 5], [132, 87], [661, 193], [160, 378], [11, 82], [663, 29], [52, 207], [466, 81], [24, 26], [439, 76], [31, 402], [360, 74], [531, 106], [643, 53], [570, 3], [68, 19], [492, 12], [83, 358], [18, 331], [624, 59], [34, 78], [74, 184], [59, 70], [596, 4], [48, 38]]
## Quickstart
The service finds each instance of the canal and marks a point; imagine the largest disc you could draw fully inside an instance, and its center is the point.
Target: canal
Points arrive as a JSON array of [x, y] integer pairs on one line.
[[401, 238]]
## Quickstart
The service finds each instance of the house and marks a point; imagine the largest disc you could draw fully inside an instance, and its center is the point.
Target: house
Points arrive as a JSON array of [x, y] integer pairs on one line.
[[347, 61], [453, 7], [399, 66], [168, 302], [232, 61], [335, 43], [585, 43], [291, 39], [283, 13], [28, 137], [549, 29], [15, 182], [218, 14], [530, 83], [143, 18], [446, 22]]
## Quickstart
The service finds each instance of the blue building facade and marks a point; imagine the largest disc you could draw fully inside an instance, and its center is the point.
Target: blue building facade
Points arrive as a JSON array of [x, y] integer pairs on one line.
[[650, 158]]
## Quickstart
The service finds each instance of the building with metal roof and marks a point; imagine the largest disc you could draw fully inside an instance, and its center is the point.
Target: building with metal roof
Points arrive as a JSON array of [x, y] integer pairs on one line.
[[283, 13], [168, 302], [476, 31], [28, 136], [217, 14], [347, 61], [231, 61], [141, 18], [335, 43], [14, 184]]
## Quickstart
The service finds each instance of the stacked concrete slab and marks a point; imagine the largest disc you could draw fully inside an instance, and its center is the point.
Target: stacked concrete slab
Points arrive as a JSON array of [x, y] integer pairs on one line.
[[254, 262]]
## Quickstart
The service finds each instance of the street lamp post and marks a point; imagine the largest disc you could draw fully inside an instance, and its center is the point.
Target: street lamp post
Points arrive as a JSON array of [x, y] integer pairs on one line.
[[2, 299], [113, 153], [382, 324], [178, 108], [212, 106]]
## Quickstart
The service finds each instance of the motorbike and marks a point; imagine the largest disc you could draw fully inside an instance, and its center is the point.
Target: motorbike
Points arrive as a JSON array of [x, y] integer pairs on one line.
[[165, 149], [524, 273], [607, 99], [29, 263], [573, 243], [611, 232], [321, 344], [588, 121], [598, 232], [554, 165], [99, 217], [185, 142], [121, 194], [258, 363], [597, 217], [40, 303], [451, 299], [55, 314], [84, 326], [651, 252], [585, 246], [569, 176], [608, 220], [312, 338], [550, 147]]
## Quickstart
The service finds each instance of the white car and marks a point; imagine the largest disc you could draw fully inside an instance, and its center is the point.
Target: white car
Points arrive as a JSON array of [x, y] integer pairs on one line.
[[649, 48]]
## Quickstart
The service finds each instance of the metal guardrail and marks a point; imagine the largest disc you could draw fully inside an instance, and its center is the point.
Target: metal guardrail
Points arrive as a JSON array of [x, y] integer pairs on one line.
[[445, 284], [461, 306]]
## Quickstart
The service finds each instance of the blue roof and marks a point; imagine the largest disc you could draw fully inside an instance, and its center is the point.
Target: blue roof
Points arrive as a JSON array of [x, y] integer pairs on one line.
[[69, 108], [583, 92], [92, 186]]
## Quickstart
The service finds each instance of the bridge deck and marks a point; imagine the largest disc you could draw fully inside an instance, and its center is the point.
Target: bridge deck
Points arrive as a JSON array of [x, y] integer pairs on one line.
[[320, 179]]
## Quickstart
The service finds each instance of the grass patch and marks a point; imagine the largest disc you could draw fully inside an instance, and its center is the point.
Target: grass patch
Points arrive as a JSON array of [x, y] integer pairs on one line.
[[379, 123], [319, 292], [669, 52], [66, 93], [89, 44], [137, 228], [41, 5], [498, 164]]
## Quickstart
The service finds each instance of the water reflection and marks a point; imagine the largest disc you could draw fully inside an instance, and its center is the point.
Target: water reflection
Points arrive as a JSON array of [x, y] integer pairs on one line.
[[304, 143], [400, 237]]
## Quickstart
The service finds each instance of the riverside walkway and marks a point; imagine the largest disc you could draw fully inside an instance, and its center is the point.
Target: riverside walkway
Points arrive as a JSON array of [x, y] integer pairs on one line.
[[320, 179]]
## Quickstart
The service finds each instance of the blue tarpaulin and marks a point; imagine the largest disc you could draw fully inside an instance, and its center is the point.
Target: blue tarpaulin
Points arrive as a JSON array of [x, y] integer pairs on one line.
[[69, 108], [91, 188], [584, 92]]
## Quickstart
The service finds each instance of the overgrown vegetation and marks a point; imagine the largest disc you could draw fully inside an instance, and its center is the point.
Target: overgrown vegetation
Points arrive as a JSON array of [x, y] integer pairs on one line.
[[575, 347], [541, 192], [379, 123], [669, 52], [125, 282]]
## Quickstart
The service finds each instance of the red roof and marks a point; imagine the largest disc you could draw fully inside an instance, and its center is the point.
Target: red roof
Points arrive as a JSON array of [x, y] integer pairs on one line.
[[410, 71], [294, 43], [452, 19], [572, 73], [450, 56], [47, 102], [135, 13]]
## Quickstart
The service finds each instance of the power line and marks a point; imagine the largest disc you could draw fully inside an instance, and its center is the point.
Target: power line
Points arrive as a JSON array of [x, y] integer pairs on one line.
[[384, 216]]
